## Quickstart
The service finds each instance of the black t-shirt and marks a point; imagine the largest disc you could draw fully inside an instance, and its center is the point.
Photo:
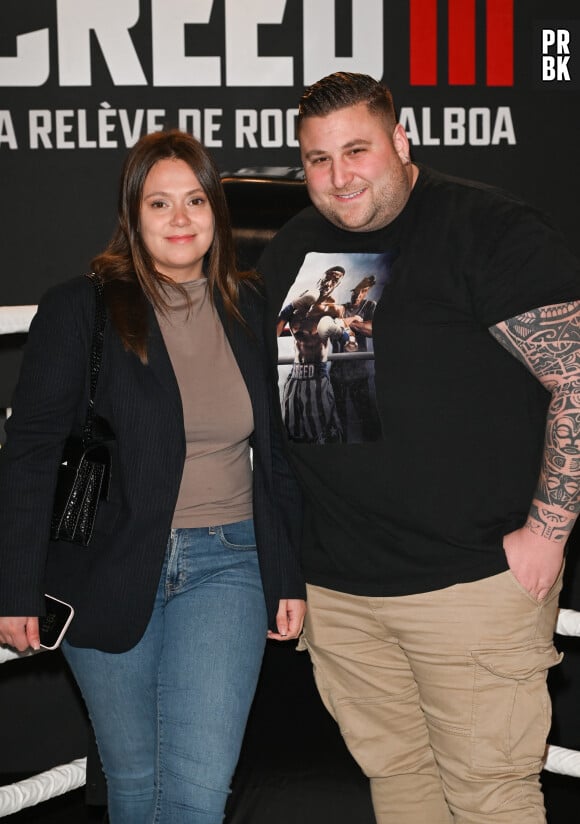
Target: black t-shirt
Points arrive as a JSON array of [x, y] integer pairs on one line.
[[462, 421]]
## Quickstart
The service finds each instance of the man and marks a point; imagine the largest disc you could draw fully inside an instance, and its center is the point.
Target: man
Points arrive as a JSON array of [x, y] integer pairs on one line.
[[350, 377], [312, 321], [433, 593]]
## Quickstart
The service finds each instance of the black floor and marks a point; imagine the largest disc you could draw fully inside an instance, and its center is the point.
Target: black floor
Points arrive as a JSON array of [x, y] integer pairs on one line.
[[294, 767], [562, 802]]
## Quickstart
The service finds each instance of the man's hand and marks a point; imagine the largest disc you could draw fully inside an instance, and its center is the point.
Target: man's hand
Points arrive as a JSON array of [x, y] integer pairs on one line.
[[329, 327], [534, 561]]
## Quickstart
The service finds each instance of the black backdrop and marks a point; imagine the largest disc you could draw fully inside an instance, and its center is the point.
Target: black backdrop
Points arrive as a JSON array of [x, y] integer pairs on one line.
[[81, 79]]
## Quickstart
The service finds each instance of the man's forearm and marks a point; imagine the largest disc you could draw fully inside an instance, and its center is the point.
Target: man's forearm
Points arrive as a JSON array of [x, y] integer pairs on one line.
[[556, 502], [547, 341]]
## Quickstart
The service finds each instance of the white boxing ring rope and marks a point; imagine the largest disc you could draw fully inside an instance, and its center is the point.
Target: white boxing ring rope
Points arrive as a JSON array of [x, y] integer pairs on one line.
[[62, 779], [15, 319], [42, 787]]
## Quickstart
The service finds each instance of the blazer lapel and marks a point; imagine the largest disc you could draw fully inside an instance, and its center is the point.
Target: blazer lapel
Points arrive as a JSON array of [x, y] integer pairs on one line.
[[247, 355], [160, 363]]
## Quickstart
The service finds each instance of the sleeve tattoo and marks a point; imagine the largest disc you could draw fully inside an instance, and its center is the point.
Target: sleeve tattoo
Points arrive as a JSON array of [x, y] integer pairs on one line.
[[547, 341]]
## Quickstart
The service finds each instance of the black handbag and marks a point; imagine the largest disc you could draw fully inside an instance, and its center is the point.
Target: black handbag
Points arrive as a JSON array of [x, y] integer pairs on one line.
[[84, 472]]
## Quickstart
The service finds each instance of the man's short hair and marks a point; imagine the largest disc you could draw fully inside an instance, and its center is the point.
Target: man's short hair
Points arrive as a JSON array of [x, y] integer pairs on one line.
[[335, 269], [343, 89]]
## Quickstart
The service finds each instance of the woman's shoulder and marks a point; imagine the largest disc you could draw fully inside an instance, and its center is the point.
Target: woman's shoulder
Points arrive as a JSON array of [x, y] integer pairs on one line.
[[67, 308], [78, 290]]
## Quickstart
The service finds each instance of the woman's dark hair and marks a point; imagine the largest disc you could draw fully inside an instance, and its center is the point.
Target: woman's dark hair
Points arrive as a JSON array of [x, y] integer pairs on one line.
[[126, 267], [343, 89]]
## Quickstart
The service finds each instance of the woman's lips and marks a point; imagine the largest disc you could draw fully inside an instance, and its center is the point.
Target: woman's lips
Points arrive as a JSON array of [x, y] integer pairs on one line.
[[179, 238]]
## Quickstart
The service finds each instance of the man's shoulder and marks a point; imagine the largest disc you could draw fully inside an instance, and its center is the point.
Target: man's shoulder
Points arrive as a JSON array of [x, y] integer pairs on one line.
[[465, 192], [368, 309], [306, 219], [304, 228]]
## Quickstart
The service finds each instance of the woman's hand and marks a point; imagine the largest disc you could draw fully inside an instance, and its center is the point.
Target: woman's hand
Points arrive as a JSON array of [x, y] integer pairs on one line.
[[20, 632], [289, 619]]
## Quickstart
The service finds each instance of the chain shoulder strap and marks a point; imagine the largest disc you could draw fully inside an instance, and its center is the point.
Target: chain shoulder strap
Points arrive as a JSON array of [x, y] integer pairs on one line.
[[96, 355]]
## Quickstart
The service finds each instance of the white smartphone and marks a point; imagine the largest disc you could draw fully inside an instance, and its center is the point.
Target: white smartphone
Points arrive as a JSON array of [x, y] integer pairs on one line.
[[54, 624]]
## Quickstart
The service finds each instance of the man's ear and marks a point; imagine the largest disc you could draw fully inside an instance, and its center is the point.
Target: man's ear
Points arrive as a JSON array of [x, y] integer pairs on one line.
[[401, 144]]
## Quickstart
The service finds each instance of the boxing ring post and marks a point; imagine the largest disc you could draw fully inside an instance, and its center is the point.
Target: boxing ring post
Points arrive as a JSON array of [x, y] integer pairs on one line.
[[67, 777]]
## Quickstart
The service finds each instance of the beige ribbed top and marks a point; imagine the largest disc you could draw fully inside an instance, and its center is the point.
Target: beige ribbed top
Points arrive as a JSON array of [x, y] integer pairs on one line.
[[216, 487]]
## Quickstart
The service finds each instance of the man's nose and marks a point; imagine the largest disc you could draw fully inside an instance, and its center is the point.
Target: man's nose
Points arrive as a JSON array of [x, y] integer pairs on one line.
[[341, 173]]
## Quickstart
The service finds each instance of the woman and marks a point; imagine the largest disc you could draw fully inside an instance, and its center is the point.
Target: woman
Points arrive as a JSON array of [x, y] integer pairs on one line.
[[174, 595]]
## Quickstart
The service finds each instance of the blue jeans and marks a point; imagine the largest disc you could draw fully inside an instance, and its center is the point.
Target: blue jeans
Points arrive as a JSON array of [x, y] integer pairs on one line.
[[169, 715]]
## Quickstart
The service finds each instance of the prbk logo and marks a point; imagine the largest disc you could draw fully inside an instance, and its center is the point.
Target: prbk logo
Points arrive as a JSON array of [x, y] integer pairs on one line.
[[555, 66], [425, 36]]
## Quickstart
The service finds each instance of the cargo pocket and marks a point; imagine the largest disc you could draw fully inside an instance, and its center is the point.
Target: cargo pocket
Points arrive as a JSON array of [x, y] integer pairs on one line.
[[323, 690], [512, 711]]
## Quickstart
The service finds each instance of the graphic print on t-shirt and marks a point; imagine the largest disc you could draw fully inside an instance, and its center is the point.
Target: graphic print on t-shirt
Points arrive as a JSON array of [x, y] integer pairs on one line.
[[326, 371]]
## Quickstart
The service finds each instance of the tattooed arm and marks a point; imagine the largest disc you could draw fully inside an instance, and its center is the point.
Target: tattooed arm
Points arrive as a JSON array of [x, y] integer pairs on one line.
[[547, 342]]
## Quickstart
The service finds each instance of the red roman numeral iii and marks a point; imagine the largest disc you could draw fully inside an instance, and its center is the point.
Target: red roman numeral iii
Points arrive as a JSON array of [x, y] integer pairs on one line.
[[499, 38]]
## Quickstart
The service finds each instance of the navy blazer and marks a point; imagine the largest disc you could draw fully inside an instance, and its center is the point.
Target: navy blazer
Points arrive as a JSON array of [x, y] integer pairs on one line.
[[112, 582]]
